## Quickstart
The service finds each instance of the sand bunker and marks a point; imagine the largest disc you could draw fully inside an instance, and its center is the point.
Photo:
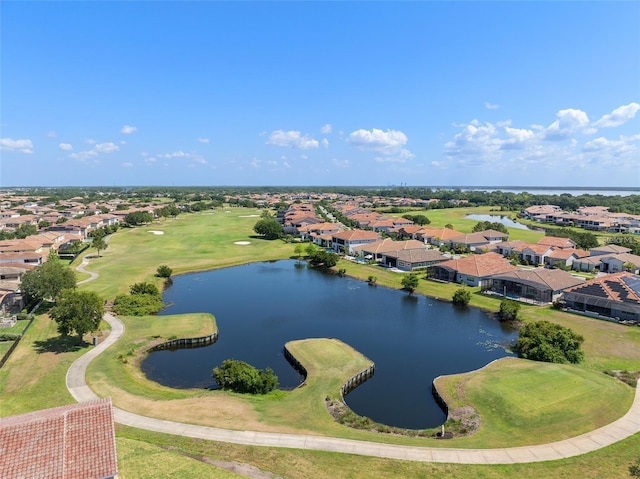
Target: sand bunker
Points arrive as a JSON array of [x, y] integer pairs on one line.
[[242, 243], [154, 232]]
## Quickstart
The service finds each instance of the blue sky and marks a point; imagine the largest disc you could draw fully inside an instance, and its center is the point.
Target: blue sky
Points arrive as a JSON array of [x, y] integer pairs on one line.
[[320, 93]]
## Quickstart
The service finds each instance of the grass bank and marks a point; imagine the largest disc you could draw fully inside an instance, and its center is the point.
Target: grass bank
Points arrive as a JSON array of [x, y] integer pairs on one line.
[[611, 462], [524, 402]]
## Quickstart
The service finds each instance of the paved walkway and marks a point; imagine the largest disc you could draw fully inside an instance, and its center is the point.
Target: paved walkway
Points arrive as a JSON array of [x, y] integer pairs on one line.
[[624, 427]]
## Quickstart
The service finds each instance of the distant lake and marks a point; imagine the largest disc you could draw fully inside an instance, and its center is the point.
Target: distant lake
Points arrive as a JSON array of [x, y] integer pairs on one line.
[[505, 220], [261, 306], [577, 191]]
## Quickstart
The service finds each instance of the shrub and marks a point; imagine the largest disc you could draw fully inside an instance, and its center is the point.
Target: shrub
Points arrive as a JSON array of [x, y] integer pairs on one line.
[[9, 336], [242, 377], [164, 271], [461, 297], [509, 310], [137, 304], [144, 288], [549, 342]]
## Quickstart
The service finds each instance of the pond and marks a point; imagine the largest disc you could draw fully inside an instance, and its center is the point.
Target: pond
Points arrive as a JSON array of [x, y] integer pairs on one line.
[[505, 220], [261, 306]]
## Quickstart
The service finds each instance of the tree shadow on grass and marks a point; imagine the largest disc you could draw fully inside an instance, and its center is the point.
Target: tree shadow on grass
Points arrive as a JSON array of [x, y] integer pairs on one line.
[[60, 344]]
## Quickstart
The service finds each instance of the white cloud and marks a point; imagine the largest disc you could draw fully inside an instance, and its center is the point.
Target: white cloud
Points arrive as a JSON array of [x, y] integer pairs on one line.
[[568, 123], [128, 129], [326, 129], [520, 149], [325, 143], [491, 106], [127, 164], [303, 157], [203, 140], [388, 143], [176, 154], [84, 155], [51, 134], [108, 147], [618, 116], [90, 141], [292, 139], [65, 146], [23, 146]]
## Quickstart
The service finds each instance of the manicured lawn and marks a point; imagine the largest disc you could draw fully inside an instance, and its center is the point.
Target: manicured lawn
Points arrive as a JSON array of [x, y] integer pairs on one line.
[[456, 218], [191, 242], [525, 402], [142, 460], [4, 347], [611, 462], [34, 375]]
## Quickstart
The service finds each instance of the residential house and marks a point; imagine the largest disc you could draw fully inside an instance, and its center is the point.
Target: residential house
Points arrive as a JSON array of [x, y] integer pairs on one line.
[[68, 442], [344, 241], [534, 253], [473, 270], [608, 250], [540, 285], [619, 262], [615, 296], [414, 259], [437, 236], [565, 257], [478, 241], [557, 242], [379, 249]]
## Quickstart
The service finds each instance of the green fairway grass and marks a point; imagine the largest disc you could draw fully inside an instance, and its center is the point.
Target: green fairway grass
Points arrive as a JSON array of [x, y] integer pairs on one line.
[[526, 402]]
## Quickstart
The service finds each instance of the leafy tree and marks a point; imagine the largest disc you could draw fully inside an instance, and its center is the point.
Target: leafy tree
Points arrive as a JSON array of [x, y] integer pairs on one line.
[[77, 312], [461, 296], [23, 231], [99, 243], [509, 310], [242, 377], [164, 271], [488, 225], [138, 218], [546, 341], [323, 259], [47, 280], [634, 469], [269, 228], [298, 250], [448, 226], [144, 288], [43, 224], [417, 219], [410, 282], [310, 249]]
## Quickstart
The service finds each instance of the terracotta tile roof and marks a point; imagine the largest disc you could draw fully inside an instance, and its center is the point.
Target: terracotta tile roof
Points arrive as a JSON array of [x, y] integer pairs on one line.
[[610, 248], [535, 248], [355, 235], [68, 442], [566, 253], [388, 245], [480, 265], [557, 242], [440, 233]]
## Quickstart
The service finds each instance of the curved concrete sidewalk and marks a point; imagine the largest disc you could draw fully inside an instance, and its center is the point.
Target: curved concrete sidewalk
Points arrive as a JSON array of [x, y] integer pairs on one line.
[[624, 427]]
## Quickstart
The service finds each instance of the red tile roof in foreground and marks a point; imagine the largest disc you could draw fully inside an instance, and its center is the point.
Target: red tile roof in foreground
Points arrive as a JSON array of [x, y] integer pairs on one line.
[[67, 442]]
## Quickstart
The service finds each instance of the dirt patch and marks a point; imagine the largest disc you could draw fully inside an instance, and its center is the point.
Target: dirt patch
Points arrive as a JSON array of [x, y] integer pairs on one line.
[[246, 470], [464, 421]]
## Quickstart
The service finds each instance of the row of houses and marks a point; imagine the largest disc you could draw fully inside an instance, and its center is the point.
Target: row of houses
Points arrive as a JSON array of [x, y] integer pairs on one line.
[[597, 218]]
